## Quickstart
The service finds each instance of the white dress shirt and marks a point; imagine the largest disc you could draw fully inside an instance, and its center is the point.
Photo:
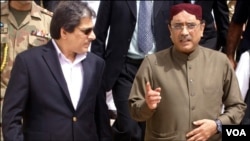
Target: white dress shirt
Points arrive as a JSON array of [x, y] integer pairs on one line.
[[73, 74]]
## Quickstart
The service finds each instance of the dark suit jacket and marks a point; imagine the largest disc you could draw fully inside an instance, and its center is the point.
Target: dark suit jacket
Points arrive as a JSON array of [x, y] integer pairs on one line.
[[120, 17], [215, 31], [38, 93]]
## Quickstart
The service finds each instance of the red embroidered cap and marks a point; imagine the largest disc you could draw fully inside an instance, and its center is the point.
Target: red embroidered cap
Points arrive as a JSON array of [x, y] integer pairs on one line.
[[190, 8]]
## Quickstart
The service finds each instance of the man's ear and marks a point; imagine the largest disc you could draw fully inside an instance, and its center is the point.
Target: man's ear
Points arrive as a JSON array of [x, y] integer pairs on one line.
[[63, 33], [170, 30], [169, 27], [202, 28]]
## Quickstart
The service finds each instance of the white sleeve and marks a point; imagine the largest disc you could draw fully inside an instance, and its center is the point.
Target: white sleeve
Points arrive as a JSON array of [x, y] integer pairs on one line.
[[243, 73]]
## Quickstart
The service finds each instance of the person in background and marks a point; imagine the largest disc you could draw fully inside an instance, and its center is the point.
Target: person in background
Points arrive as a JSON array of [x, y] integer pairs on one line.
[[129, 24], [23, 25], [216, 17], [109, 97], [238, 38], [48, 4], [243, 75], [180, 91], [58, 95]]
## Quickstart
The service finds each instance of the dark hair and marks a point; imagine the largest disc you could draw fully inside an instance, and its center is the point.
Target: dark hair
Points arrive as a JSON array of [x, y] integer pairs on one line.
[[68, 15]]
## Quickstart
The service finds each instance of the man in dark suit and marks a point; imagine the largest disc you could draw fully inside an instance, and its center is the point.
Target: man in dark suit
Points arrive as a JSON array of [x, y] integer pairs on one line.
[[123, 56], [216, 15], [53, 89]]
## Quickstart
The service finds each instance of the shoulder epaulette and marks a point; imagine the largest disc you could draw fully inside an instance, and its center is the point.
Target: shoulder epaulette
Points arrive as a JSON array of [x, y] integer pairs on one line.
[[47, 12]]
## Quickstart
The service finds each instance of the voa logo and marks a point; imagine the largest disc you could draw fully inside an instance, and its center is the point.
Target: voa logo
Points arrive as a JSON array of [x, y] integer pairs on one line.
[[236, 132]]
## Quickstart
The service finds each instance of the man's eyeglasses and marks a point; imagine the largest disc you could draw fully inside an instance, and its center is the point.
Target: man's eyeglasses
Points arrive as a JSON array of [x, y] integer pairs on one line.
[[86, 31], [180, 26]]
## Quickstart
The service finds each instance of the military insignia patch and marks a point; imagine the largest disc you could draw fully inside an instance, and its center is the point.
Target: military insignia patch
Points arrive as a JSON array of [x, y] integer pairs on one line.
[[40, 34]]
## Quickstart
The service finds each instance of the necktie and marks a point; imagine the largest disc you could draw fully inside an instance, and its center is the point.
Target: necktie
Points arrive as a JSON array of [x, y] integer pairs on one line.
[[145, 36]]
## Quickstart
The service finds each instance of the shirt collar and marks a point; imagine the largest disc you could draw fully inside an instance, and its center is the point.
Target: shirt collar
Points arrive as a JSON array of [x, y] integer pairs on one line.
[[78, 59], [186, 57]]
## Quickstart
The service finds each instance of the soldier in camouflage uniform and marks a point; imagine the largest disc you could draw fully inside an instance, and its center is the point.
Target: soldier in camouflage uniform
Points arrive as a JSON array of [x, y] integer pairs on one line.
[[23, 25]]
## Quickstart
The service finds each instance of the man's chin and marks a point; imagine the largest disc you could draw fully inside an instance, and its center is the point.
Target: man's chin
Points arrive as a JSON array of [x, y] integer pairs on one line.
[[187, 49]]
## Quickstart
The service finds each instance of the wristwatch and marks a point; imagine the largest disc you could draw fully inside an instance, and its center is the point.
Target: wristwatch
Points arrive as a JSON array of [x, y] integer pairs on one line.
[[219, 125]]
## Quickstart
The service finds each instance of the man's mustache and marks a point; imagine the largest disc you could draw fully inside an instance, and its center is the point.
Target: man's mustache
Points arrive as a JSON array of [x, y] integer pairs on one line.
[[185, 38]]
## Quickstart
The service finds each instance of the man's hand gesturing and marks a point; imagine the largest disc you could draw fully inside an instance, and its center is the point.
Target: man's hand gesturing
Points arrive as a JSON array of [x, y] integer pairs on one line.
[[152, 97]]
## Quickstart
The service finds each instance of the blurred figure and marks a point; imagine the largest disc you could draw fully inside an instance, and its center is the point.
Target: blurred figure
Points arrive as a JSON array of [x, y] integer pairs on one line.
[[243, 75], [58, 95], [238, 38], [109, 97], [48, 4], [23, 25], [188, 108]]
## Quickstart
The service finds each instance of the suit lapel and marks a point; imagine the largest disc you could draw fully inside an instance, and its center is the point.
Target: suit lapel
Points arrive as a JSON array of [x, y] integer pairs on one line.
[[87, 78], [132, 6], [50, 57], [157, 7]]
